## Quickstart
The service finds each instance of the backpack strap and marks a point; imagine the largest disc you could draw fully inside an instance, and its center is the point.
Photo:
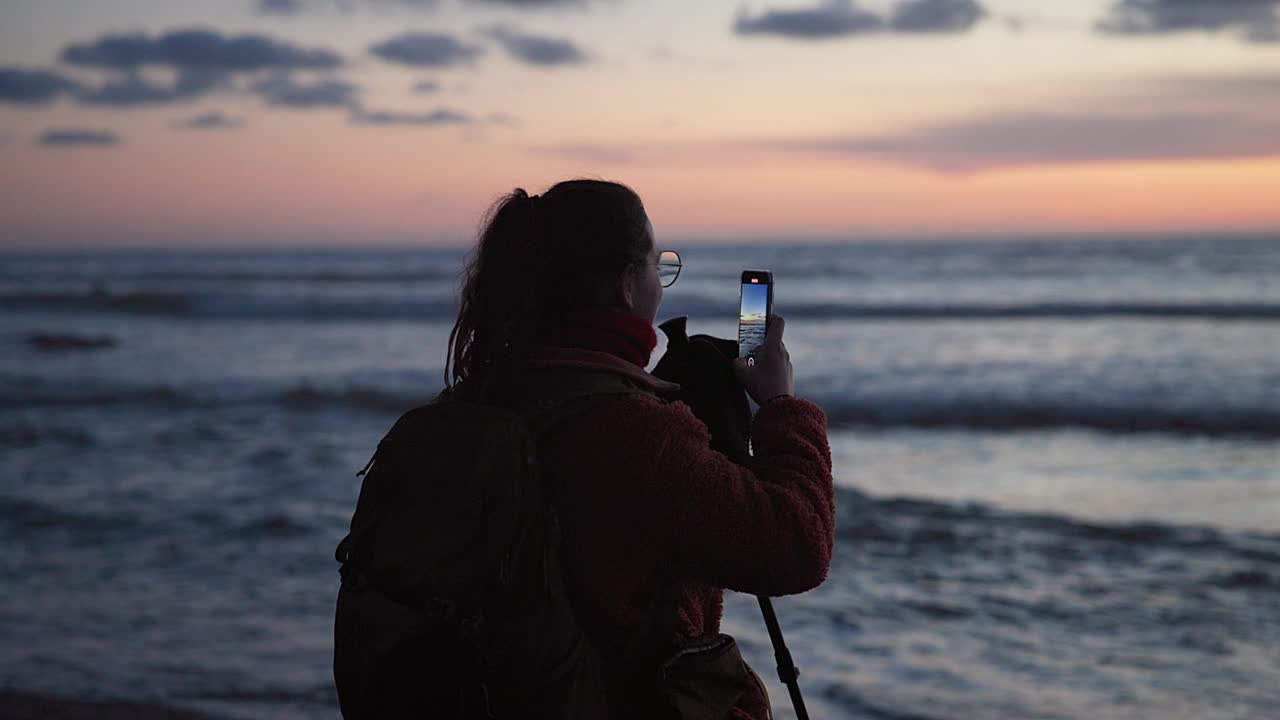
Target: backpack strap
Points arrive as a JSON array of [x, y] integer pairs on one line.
[[343, 552], [551, 398], [559, 398]]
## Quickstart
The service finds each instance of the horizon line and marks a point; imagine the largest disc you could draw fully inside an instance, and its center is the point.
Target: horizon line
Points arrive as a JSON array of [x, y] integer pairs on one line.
[[726, 242]]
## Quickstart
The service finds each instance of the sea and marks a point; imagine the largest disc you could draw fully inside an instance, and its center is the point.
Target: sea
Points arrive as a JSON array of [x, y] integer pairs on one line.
[[750, 336], [1057, 467]]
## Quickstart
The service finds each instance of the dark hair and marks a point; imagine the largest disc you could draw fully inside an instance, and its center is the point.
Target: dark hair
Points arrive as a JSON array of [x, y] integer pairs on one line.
[[536, 258]]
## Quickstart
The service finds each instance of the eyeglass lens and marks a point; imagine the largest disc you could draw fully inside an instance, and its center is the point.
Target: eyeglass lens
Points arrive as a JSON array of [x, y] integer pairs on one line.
[[668, 267]]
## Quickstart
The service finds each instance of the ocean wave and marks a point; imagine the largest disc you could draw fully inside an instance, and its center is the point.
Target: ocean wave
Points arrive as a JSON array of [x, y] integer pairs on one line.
[[994, 590], [922, 411], [855, 704], [24, 515], [23, 393], [34, 392], [923, 526], [222, 306], [1249, 579], [324, 695], [1041, 311], [94, 274], [319, 307], [62, 342], [229, 307], [25, 435], [143, 302], [1001, 415], [306, 397], [936, 522]]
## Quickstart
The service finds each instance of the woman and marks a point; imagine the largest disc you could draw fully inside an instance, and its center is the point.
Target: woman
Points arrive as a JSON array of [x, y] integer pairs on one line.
[[656, 524]]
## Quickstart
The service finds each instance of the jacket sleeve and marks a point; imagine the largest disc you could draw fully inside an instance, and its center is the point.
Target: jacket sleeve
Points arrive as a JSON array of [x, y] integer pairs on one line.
[[766, 528]]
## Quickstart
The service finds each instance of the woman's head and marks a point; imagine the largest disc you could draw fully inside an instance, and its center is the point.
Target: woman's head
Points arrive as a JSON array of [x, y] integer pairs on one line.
[[582, 244]]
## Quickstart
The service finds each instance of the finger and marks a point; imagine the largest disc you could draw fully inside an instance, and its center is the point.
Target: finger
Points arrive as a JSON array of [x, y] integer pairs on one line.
[[773, 333]]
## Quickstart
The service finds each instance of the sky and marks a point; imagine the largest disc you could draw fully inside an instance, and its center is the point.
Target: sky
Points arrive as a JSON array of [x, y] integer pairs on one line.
[[207, 123], [755, 302]]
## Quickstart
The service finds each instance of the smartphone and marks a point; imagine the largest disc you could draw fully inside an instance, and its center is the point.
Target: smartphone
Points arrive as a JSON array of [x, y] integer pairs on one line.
[[756, 308]]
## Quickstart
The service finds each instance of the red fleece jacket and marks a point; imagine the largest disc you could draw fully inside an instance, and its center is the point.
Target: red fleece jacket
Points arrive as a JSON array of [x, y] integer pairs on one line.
[[644, 495]]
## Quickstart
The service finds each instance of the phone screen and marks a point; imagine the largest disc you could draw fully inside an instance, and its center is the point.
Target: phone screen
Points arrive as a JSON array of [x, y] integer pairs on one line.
[[753, 316]]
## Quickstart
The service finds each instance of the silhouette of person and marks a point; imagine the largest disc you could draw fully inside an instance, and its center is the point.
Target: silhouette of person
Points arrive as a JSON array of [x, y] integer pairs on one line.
[[656, 523]]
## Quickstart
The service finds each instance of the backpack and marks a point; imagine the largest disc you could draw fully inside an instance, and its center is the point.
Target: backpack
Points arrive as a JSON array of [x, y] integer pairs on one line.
[[452, 602]]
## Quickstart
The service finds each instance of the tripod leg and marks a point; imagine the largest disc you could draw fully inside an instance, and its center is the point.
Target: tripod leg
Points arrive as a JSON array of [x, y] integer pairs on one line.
[[787, 670]]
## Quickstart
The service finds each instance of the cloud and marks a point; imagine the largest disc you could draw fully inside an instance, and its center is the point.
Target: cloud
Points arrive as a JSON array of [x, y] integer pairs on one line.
[[1255, 20], [528, 4], [209, 121], [538, 49], [843, 18], [436, 117], [426, 87], [1247, 91], [33, 87], [131, 89], [940, 16], [281, 7], [198, 50], [282, 90], [1028, 139], [202, 62], [67, 138], [425, 49], [832, 18], [297, 7]]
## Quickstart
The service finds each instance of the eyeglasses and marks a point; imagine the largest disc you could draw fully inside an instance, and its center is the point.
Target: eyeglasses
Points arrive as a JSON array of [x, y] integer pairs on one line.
[[669, 267]]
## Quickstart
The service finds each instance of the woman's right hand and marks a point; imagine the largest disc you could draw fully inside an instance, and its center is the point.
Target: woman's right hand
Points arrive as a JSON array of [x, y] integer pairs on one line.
[[771, 374]]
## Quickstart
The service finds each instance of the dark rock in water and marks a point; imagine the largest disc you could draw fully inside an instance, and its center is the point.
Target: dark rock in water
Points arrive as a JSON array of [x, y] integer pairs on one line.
[[65, 341]]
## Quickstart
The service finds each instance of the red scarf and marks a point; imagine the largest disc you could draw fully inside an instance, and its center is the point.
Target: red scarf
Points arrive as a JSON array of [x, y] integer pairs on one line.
[[617, 332]]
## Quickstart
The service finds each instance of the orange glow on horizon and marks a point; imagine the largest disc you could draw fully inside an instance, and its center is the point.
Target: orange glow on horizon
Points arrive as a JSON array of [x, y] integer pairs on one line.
[[686, 113]]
